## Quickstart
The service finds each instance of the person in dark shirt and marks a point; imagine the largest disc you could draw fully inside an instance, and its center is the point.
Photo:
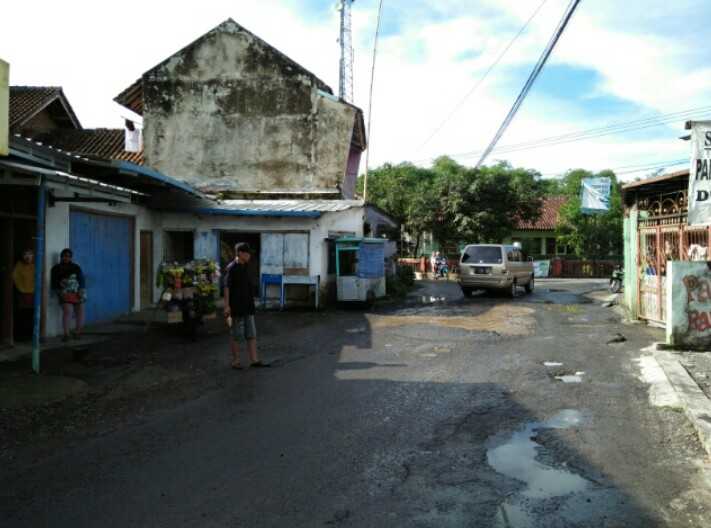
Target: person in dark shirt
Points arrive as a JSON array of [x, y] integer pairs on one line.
[[68, 283], [239, 307]]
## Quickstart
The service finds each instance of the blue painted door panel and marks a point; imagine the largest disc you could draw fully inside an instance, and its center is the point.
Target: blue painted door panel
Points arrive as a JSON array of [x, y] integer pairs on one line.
[[102, 247]]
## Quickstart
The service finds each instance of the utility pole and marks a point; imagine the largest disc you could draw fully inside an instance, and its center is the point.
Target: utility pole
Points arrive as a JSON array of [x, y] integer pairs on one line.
[[345, 77]]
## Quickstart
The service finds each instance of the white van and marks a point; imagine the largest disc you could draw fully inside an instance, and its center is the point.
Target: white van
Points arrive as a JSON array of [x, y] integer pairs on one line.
[[495, 267]]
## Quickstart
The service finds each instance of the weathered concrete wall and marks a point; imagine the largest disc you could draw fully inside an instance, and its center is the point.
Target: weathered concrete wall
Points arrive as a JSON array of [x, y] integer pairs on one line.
[[229, 112], [689, 304]]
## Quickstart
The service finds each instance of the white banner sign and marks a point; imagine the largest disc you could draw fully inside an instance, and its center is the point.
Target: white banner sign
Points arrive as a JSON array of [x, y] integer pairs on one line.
[[541, 268], [700, 174]]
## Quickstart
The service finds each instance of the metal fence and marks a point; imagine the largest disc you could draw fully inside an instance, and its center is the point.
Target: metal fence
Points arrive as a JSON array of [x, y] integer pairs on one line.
[[661, 240]]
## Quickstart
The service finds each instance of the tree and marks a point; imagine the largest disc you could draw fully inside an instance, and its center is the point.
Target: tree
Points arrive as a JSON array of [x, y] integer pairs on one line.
[[483, 205], [457, 204], [591, 236], [405, 192]]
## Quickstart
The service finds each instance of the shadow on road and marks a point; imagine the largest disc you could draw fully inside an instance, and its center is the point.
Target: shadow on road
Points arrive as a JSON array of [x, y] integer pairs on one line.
[[340, 436]]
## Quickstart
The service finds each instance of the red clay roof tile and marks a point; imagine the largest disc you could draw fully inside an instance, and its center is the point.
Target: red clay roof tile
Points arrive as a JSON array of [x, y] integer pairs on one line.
[[548, 220]]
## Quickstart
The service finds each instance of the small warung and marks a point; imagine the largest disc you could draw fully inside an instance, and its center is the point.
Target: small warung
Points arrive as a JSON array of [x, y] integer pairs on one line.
[[123, 217], [101, 207]]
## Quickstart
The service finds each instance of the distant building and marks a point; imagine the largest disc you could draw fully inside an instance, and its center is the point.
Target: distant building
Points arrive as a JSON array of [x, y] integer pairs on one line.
[[538, 238]]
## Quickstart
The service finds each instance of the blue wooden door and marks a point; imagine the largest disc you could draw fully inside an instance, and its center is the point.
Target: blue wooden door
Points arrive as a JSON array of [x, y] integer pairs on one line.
[[102, 246]]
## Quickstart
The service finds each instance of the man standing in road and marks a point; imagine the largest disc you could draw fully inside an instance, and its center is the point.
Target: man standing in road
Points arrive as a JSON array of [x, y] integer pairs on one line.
[[239, 307]]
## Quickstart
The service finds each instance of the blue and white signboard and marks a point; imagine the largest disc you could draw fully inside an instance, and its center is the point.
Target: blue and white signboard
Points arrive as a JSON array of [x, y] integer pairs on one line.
[[595, 195], [541, 268]]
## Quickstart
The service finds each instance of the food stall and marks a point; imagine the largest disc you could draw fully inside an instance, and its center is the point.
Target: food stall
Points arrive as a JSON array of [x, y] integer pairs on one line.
[[360, 269], [189, 291]]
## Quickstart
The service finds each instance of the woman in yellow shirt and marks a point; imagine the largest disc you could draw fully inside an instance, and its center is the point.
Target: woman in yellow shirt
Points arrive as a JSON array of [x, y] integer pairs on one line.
[[23, 277]]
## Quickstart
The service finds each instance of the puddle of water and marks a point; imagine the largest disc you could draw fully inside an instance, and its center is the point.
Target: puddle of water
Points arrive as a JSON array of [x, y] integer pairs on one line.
[[516, 458], [355, 330], [570, 378], [430, 299], [552, 364]]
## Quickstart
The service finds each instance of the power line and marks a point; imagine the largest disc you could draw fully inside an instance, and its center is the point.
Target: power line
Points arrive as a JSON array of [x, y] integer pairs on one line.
[[370, 102], [531, 79], [640, 167], [483, 77], [590, 134], [580, 135]]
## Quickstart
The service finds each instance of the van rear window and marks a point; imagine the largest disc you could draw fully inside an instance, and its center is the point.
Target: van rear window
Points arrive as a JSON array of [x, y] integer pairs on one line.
[[483, 255]]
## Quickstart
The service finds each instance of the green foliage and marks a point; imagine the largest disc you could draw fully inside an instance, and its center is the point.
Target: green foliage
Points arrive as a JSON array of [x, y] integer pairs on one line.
[[590, 236], [456, 204]]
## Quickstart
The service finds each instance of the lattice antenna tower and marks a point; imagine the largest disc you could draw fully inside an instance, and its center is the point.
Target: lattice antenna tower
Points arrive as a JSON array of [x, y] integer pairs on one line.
[[345, 78]]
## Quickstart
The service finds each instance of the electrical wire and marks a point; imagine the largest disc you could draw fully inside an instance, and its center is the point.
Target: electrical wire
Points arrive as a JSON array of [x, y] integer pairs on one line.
[[370, 103], [581, 135], [531, 79], [483, 77], [640, 167]]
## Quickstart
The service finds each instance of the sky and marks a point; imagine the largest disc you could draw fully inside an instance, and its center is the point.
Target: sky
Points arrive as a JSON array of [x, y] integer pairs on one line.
[[617, 62]]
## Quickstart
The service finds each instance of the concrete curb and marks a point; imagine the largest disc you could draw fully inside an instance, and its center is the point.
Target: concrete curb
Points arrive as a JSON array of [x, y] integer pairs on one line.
[[695, 403]]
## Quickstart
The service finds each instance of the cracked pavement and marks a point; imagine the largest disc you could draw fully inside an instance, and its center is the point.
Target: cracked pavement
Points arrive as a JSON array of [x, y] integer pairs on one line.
[[437, 411]]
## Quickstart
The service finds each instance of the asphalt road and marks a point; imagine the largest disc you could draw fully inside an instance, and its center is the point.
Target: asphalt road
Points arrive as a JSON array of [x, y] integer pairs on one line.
[[436, 412]]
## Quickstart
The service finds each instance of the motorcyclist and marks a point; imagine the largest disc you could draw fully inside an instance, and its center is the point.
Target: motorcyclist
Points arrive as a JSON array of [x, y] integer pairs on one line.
[[441, 266]]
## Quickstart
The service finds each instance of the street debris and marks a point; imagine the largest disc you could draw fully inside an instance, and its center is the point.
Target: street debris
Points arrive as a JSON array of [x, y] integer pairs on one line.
[[617, 338], [610, 301]]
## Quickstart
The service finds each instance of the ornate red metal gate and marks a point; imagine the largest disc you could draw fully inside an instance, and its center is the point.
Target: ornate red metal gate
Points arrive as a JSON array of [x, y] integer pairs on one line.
[[664, 235]]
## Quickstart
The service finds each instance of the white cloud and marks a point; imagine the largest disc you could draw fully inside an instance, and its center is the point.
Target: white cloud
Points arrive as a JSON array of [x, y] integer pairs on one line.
[[420, 74]]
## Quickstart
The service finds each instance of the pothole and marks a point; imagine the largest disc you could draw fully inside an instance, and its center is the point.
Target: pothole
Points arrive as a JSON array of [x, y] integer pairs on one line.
[[516, 458]]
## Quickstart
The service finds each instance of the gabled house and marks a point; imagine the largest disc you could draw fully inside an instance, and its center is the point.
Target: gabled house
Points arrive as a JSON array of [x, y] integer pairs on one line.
[[239, 120], [538, 238], [231, 114], [39, 109]]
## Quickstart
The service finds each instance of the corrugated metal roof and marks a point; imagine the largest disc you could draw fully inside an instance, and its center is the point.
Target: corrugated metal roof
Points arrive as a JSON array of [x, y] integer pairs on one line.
[[298, 208], [321, 206], [549, 215], [657, 179], [66, 177]]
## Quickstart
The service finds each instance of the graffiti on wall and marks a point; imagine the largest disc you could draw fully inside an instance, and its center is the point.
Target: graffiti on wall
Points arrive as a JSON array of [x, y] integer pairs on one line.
[[689, 304], [698, 291]]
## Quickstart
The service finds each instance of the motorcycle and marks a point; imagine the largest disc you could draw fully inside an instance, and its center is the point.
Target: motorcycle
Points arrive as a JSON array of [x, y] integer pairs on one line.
[[442, 270], [617, 280]]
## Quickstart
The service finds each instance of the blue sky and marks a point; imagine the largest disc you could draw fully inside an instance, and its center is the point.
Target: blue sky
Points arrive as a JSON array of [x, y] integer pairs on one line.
[[618, 61]]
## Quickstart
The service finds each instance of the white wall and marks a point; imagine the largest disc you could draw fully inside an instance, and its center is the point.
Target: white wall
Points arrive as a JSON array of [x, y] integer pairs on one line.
[[204, 226], [57, 238]]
